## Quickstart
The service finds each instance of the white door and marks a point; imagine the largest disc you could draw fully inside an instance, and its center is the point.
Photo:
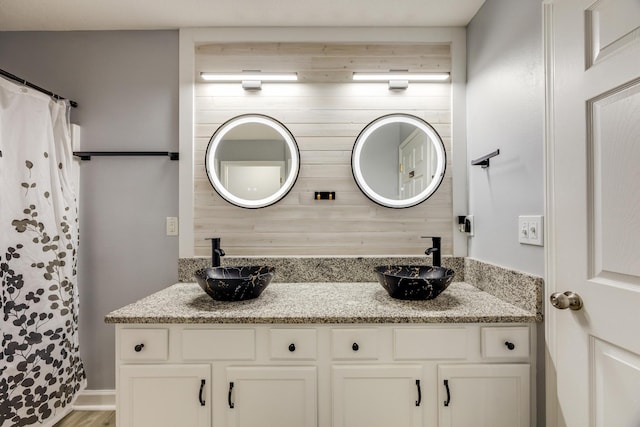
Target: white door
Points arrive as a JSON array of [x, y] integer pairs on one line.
[[412, 171], [272, 396], [593, 199], [164, 396], [483, 395], [377, 396]]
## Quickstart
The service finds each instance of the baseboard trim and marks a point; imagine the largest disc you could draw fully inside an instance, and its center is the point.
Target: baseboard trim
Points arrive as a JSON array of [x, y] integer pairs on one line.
[[96, 400]]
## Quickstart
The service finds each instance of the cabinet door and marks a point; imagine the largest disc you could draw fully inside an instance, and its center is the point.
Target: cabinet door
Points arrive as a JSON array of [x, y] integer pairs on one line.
[[164, 396], [377, 396], [483, 395], [272, 396]]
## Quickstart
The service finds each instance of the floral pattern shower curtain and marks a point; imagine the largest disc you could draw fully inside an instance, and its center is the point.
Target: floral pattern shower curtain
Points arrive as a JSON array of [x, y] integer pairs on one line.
[[40, 367]]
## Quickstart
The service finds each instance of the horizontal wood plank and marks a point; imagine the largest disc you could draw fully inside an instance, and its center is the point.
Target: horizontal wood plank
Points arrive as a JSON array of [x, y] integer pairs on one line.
[[302, 115], [311, 103], [359, 89], [322, 49]]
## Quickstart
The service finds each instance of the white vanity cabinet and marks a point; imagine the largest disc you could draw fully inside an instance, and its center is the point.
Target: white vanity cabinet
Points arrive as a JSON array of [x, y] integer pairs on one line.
[[151, 390], [325, 375]]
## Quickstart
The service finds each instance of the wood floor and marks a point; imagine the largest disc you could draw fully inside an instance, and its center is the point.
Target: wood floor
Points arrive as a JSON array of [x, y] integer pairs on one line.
[[88, 419]]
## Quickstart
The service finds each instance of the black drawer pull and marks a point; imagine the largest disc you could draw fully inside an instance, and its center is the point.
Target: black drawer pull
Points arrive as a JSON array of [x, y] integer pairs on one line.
[[419, 393], [355, 346], [138, 348], [510, 345], [292, 347]]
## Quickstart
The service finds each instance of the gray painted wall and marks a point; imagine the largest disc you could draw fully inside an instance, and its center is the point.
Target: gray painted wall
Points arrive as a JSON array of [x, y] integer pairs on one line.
[[126, 84], [505, 110]]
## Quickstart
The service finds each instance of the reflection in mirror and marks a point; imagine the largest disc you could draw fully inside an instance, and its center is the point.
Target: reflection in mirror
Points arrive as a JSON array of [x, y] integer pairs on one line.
[[252, 161], [398, 160]]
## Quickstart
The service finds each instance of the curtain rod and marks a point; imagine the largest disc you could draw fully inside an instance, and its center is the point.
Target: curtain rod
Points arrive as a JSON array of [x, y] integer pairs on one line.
[[74, 104]]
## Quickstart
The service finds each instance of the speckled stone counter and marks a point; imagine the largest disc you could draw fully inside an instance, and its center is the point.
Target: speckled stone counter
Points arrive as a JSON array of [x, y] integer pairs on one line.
[[321, 303], [517, 288], [319, 269]]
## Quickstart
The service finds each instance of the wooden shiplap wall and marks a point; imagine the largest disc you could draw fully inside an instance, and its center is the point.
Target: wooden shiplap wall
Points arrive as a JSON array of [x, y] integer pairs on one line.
[[325, 112]]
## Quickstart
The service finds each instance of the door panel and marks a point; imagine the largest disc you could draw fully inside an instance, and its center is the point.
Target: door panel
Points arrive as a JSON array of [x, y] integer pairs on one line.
[[164, 396], [615, 159], [616, 385], [377, 396], [611, 25], [272, 396], [484, 395]]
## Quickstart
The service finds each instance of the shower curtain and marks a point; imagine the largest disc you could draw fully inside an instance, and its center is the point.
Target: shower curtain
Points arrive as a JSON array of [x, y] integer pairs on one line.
[[40, 367]]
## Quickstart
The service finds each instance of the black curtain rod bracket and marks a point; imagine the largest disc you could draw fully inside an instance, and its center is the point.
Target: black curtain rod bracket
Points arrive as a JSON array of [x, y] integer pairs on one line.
[[484, 160], [22, 81], [86, 155]]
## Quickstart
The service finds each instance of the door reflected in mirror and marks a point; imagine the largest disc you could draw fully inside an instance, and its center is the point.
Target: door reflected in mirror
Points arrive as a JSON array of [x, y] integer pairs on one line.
[[398, 160], [252, 161]]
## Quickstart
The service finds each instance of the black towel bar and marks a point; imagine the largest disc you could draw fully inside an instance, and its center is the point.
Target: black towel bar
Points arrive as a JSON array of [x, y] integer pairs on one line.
[[484, 161], [86, 155]]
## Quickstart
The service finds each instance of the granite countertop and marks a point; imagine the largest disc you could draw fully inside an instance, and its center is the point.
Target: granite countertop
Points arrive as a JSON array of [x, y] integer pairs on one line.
[[321, 303]]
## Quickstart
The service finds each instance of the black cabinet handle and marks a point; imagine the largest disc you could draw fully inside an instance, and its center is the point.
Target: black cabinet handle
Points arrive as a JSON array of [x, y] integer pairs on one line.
[[355, 346], [510, 345], [202, 402], [448, 401], [292, 347], [419, 393], [231, 405], [138, 348]]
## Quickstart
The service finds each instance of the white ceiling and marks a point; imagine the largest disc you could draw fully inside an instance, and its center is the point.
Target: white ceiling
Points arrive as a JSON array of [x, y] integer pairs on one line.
[[63, 15]]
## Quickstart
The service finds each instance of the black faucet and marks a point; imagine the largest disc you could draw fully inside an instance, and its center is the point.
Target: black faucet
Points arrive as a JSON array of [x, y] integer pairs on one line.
[[436, 250], [216, 251]]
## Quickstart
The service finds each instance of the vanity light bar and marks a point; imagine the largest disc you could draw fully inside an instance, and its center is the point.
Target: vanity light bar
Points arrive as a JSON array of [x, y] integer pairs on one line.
[[412, 77], [239, 77]]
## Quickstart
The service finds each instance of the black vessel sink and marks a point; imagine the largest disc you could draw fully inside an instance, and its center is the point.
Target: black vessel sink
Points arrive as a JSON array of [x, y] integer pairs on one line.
[[414, 282], [234, 283]]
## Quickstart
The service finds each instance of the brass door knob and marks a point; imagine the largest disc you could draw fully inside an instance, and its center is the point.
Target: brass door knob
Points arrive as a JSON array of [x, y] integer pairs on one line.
[[566, 300]]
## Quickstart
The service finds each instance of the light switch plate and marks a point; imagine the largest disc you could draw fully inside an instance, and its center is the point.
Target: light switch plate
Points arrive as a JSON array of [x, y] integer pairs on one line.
[[531, 230]]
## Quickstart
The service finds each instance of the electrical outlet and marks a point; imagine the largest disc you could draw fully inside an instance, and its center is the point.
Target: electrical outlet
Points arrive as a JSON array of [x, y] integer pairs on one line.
[[172, 226], [530, 229], [469, 225]]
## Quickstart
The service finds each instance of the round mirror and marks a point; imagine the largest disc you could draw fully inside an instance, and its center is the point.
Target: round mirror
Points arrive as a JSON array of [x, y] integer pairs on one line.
[[252, 161], [398, 160]]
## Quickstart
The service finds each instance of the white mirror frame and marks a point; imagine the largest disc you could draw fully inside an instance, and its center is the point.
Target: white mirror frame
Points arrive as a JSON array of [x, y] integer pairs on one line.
[[217, 139], [421, 125]]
